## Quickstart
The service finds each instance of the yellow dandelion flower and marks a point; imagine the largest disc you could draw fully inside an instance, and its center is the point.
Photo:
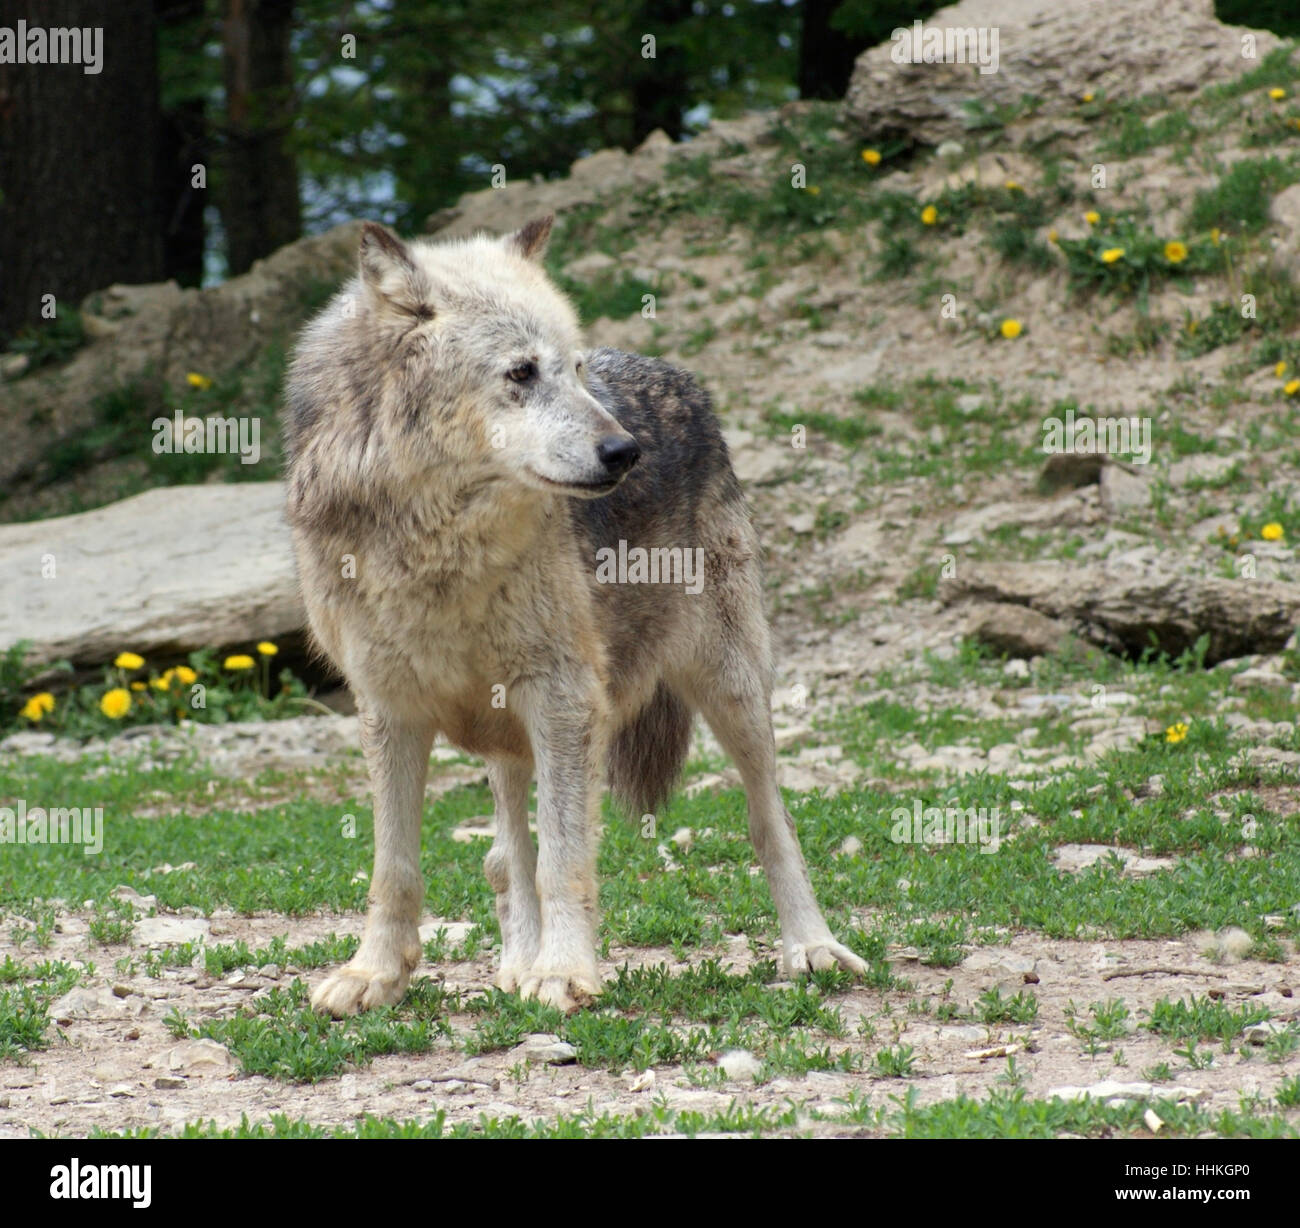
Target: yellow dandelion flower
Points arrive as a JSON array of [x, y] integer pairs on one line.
[[1010, 329], [1280, 369], [1092, 217], [871, 157], [138, 686], [185, 675], [1176, 733], [1272, 532], [128, 660], [37, 706], [1277, 93], [1088, 97], [267, 649], [201, 382], [1012, 186], [929, 215], [1052, 236], [115, 704], [1111, 254], [239, 661], [163, 681], [1215, 234], [812, 191], [1291, 387], [1175, 251]]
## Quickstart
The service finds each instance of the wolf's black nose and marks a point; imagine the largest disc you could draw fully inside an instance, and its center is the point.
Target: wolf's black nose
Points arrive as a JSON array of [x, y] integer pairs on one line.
[[618, 453]]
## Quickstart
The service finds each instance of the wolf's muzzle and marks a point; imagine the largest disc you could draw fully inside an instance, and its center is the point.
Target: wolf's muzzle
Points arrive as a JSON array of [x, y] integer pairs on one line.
[[618, 453]]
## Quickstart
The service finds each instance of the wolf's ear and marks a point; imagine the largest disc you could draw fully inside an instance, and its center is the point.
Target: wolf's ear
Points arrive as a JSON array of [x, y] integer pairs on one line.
[[530, 240], [389, 272]]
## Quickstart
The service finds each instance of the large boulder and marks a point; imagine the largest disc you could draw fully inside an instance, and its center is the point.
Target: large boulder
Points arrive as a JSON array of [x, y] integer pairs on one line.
[[1125, 611], [1055, 51], [160, 574]]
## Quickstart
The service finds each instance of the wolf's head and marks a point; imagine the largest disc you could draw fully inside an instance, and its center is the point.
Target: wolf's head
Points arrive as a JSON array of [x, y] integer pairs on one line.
[[477, 362]]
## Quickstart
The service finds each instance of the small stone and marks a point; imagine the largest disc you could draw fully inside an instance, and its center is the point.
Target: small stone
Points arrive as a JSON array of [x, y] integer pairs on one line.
[[169, 931], [167, 1083], [454, 932], [1260, 680], [1261, 1033], [201, 1057], [545, 1048]]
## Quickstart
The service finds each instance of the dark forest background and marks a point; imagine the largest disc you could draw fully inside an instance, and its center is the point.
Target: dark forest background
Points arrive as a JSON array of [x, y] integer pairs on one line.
[[303, 113]]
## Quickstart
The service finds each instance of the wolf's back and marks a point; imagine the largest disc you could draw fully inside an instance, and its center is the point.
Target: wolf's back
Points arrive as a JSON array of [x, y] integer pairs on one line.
[[682, 494]]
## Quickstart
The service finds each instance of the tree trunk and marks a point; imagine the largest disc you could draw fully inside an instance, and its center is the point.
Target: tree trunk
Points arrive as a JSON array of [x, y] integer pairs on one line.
[[259, 189], [182, 146], [659, 85], [825, 55], [77, 160]]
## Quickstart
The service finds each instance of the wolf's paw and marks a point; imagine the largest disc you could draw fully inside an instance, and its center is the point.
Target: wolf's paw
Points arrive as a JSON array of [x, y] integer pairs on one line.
[[510, 976], [558, 987], [802, 958], [353, 988]]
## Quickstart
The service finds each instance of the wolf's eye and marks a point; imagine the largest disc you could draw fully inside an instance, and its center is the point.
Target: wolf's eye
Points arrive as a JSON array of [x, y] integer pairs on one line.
[[522, 373]]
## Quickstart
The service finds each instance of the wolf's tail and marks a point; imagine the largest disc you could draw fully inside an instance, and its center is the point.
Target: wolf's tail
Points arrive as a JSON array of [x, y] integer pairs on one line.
[[647, 754]]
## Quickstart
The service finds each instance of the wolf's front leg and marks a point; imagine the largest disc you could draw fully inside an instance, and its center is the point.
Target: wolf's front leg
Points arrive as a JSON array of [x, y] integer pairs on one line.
[[397, 754], [511, 869], [566, 726]]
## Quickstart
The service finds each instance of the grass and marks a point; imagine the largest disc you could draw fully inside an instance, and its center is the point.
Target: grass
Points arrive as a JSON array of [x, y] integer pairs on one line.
[[50, 342], [26, 991], [1239, 201], [288, 1040], [1002, 1114], [941, 901]]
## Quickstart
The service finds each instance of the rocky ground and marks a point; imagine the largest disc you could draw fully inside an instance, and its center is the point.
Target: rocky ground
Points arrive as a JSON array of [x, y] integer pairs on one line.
[[955, 612]]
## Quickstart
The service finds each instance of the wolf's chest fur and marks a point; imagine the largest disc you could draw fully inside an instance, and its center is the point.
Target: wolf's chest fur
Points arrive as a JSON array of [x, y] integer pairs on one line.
[[449, 614]]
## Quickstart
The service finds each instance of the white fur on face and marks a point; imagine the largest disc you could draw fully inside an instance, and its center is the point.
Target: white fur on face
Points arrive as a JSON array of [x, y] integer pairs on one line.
[[495, 312]]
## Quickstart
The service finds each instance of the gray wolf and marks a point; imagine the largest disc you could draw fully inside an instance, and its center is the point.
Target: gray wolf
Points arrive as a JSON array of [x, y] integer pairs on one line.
[[456, 463]]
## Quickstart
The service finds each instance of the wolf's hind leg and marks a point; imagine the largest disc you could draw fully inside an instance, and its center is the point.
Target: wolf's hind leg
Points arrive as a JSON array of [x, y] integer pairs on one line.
[[511, 869], [732, 694], [397, 754]]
